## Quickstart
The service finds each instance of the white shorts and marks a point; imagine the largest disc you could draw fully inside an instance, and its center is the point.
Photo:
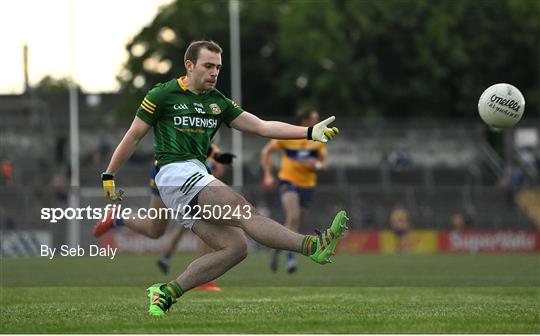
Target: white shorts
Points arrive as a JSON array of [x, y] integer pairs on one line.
[[179, 182]]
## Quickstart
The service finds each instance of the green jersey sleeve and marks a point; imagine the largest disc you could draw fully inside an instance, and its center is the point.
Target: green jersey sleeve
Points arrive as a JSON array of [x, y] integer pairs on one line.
[[149, 109], [231, 112]]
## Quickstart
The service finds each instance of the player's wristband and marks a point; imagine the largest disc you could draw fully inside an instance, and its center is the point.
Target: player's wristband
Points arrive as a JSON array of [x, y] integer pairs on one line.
[[309, 133], [106, 176]]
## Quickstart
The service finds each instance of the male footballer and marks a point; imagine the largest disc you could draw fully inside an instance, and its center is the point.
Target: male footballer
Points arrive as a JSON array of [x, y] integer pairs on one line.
[[185, 113], [300, 161]]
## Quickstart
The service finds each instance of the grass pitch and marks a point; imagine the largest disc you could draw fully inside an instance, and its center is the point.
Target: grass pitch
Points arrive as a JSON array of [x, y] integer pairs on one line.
[[357, 294]]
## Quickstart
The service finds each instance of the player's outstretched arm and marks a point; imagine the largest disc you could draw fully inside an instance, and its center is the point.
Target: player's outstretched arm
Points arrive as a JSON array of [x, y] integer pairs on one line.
[[279, 130], [122, 153]]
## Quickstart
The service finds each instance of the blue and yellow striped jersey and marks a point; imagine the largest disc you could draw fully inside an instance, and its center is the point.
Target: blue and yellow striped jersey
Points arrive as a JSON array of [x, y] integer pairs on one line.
[[293, 161]]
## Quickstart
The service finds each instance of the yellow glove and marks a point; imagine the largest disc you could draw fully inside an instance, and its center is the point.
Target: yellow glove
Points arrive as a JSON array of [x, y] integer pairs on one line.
[[108, 187], [320, 132]]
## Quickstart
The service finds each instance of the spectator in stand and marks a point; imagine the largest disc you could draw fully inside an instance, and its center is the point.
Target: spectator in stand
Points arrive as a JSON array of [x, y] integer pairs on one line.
[[399, 159], [400, 224], [59, 185], [7, 173], [457, 222]]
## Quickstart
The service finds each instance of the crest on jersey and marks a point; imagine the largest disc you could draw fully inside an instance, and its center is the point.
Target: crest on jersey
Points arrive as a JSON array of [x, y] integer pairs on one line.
[[215, 109]]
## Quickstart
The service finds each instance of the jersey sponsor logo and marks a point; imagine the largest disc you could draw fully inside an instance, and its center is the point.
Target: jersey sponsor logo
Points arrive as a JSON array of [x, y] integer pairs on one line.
[[191, 130], [194, 122], [215, 109], [180, 106], [199, 108]]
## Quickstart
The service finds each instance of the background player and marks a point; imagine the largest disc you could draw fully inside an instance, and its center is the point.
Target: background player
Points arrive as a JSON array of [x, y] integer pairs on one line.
[[300, 161]]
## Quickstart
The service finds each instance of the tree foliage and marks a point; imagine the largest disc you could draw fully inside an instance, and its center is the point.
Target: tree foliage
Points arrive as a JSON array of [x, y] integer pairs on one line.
[[50, 84], [366, 58]]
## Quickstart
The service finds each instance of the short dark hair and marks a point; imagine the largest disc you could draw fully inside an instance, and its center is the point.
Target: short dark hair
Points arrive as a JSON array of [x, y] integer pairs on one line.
[[192, 51], [303, 115]]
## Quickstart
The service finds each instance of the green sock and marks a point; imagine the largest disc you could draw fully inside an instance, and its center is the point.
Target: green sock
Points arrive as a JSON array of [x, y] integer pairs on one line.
[[173, 289], [308, 245]]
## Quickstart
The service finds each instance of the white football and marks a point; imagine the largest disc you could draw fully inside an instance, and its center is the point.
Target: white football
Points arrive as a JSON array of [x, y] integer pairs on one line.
[[501, 105]]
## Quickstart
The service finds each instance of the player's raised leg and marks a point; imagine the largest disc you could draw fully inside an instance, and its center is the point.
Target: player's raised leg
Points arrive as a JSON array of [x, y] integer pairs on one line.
[[228, 241], [268, 232]]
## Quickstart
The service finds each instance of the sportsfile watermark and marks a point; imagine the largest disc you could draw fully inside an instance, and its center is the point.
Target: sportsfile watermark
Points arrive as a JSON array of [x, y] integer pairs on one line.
[[118, 211]]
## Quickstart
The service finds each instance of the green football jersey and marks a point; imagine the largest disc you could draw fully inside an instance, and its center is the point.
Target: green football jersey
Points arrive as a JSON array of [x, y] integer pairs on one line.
[[184, 122]]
